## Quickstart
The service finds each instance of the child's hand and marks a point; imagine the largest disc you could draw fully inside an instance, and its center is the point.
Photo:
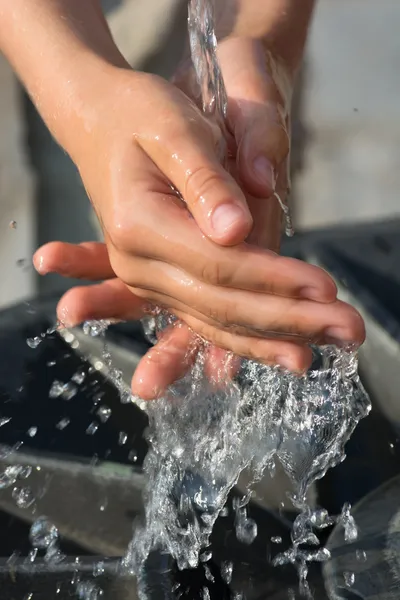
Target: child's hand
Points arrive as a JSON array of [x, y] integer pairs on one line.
[[241, 298]]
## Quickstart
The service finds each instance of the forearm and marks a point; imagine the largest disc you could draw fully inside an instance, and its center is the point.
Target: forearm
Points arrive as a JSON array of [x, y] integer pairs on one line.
[[281, 24], [57, 47]]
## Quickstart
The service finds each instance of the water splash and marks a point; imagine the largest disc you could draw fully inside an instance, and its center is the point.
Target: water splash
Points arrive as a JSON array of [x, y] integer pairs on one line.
[[204, 433]]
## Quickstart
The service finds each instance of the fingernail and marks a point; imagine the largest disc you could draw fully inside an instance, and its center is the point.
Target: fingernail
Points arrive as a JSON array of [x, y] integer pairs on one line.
[[336, 335], [311, 293], [227, 216], [264, 172]]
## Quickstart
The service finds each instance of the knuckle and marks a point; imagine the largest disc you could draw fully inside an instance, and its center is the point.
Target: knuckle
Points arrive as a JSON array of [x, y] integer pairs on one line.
[[214, 274], [199, 182]]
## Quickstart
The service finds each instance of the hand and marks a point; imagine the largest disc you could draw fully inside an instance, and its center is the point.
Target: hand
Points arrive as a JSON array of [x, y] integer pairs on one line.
[[211, 310]]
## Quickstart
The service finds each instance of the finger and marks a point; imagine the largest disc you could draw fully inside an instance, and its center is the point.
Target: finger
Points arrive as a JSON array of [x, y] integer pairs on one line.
[[220, 365], [88, 260], [258, 115], [250, 313], [269, 217], [186, 151], [148, 221], [166, 362], [289, 355], [108, 300]]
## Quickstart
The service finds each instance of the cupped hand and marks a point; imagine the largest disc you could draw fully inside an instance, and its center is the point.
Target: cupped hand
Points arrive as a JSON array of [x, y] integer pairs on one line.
[[240, 297]]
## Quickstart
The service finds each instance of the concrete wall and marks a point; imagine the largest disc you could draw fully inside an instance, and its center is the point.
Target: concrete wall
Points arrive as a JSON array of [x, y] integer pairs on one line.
[[352, 112]]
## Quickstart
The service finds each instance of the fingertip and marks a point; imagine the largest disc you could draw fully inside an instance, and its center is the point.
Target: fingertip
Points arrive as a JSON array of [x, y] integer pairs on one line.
[[231, 224]]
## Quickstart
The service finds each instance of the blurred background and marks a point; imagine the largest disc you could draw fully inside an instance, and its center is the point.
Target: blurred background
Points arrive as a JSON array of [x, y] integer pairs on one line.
[[346, 132]]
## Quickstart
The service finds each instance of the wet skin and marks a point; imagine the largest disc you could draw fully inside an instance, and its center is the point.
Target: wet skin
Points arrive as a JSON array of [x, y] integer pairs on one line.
[[212, 259]]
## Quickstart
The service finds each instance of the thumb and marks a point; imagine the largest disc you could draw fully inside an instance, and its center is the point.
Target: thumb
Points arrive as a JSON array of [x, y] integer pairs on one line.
[[259, 101]]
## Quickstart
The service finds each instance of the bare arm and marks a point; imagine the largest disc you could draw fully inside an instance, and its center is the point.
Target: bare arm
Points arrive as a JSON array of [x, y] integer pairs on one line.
[[58, 48]]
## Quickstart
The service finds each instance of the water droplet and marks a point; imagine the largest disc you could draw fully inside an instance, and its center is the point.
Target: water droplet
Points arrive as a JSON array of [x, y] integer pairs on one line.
[[224, 512], [70, 390], [122, 438], [34, 342], [104, 413], [132, 456], [79, 377], [32, 555], [361, 555], [29, 596], [246, 531], [276, 539], [63, 423], [66, 391], [51, 363], [206, 556], [24, 472], [32, 431], [43, 533], [95, 328], [24, 497], [12, 224], [9, 476], [98, 569], [226, 571], [93, 427], [87, 590], [206, 594], [349, 578], [4, 421], [56, 389]]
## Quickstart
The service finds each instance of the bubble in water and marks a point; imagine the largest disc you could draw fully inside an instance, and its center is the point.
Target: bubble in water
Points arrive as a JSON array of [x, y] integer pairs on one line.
[[32, 431], [104, 413], [349, 578], [24, 497], [93, 428], [63, 423], [122, 438], [43, 533], [227, 571]]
